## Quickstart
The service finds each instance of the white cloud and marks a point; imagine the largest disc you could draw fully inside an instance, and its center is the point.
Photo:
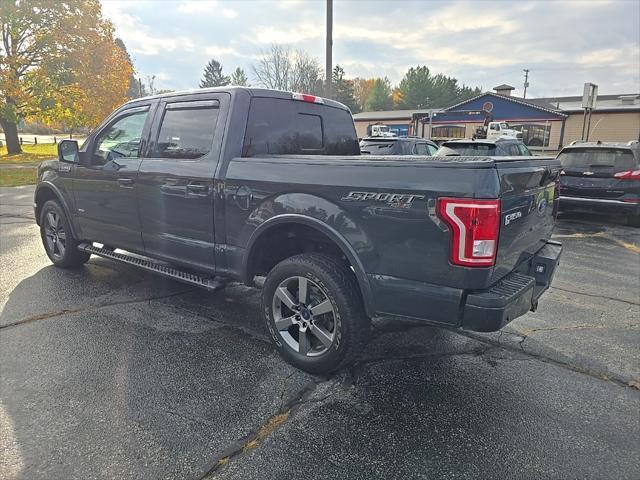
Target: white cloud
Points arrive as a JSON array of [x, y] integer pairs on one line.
[[196, 6], [610, 56], [443, 25], [288, 4], [218, 51], [229, 13], [286, 35], [163, 76], [137, 36]]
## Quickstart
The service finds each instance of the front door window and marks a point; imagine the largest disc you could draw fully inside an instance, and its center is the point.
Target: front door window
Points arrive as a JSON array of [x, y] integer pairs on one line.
[[120, 139]]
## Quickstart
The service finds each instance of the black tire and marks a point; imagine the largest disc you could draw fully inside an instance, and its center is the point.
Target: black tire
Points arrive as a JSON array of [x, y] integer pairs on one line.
[[327, 279], [633, 220], [58, 241]]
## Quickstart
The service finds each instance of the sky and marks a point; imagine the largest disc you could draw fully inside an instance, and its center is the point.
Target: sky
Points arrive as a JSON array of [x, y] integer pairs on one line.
[[563, 43]]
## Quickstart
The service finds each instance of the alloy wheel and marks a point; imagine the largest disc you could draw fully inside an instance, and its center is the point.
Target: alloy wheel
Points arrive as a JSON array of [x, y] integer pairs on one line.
[[304, 316], [55, 235]]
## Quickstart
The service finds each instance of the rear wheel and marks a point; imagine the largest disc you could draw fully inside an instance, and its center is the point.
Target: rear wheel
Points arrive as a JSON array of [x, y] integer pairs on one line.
[[58, 241], [314, 312]]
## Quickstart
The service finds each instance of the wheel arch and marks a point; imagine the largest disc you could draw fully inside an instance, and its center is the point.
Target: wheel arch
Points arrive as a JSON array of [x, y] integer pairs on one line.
[[338, 240], [47, 191]]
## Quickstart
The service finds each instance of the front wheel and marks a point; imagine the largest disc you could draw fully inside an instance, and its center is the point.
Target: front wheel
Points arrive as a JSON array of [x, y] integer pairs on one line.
[[58, 241], [314, 312]]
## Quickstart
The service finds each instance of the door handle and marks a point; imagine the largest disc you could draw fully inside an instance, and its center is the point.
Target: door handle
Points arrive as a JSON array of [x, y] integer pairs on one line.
[[198, 189], [125, 182]]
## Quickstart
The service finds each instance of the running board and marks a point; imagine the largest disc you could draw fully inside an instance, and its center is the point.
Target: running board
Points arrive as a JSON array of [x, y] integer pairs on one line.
[[211, 284]]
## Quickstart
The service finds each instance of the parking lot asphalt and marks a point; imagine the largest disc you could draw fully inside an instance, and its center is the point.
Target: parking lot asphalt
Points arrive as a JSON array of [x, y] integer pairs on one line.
[[110, 372]]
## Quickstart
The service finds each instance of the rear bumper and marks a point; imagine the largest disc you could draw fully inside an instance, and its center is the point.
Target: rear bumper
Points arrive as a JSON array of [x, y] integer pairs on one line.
[[482, 311], [598, 205], [514, 295]]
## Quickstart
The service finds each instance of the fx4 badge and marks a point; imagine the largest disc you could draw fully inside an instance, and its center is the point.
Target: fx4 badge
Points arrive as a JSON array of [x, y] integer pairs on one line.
[[400, 200]]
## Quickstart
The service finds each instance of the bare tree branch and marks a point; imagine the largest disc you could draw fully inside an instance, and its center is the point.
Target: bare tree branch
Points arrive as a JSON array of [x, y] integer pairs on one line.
[[273, 70], [282, 69]]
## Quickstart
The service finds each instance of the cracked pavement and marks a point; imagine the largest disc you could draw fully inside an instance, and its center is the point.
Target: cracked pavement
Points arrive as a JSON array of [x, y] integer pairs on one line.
[[110, 372]]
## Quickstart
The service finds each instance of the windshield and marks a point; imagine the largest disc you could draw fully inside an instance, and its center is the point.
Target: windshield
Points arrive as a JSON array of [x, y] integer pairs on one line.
[[468, 149], [598, 160], [383, 129], [504, 126]]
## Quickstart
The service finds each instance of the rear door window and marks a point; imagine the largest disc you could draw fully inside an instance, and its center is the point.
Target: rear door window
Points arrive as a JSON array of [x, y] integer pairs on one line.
[[524, 151], [187, 130], [281, 126], [405, 148], [422, 149], [605, 161], [513, 150]]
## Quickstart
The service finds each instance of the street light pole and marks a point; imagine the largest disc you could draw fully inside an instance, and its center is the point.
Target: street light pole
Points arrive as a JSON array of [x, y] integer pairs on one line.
[[329, 50]]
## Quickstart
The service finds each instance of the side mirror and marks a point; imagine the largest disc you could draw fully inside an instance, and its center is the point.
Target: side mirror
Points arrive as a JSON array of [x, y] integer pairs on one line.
[[68, 151]]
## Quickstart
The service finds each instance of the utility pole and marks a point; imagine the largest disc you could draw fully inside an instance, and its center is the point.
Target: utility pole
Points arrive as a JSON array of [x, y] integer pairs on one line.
[[329, 50], [526, 81]]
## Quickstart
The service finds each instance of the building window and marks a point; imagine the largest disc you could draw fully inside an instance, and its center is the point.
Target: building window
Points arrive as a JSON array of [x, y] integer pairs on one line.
[[447, 131], [534, 134]]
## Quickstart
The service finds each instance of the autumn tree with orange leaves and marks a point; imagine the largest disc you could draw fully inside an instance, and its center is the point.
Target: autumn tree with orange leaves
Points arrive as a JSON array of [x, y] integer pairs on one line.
[[59, 63], [362, 90]]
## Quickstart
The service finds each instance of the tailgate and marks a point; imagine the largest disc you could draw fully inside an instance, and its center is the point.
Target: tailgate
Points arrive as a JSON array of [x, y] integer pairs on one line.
[[529, 202]]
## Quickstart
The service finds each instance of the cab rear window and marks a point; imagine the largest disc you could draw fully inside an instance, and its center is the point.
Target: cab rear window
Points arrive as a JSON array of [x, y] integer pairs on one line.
[[282, 127], [609, 160]]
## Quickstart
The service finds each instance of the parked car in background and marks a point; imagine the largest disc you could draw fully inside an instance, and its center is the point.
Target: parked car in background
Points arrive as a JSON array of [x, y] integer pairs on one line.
[[397, 146], [501, 147], [601, 177]]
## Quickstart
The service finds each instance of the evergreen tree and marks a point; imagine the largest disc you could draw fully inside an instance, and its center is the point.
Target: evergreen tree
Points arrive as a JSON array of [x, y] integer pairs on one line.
[[344, 89], [420, 89], [380, 95], [213, 76], [415, 89], [239, 78]]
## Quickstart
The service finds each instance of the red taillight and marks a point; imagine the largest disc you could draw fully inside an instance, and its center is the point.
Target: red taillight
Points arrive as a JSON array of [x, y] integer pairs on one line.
[[628, 175], [475, 225], [303, 97]]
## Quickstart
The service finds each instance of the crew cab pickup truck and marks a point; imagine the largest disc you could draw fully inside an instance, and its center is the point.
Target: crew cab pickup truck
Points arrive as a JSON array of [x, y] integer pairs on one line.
[[231, 184]]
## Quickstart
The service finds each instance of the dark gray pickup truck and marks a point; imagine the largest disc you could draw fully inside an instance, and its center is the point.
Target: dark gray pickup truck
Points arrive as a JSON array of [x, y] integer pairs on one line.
[[227, 184]]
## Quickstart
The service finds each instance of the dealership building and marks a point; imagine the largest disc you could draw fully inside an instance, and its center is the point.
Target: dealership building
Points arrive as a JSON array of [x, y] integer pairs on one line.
[[546, 123]]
